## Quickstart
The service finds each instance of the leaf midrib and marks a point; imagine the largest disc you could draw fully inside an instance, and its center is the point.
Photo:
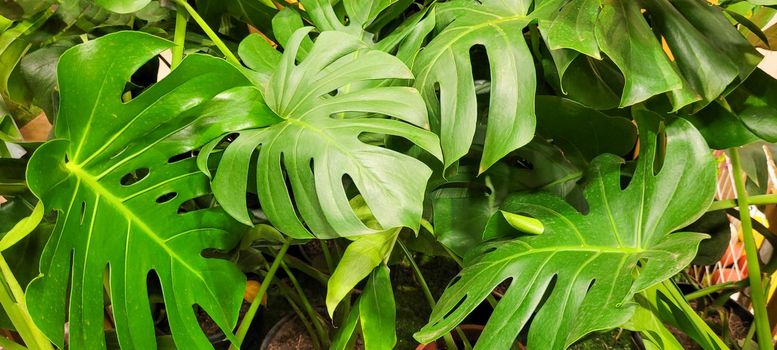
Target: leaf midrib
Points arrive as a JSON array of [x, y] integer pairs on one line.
[[91, 181]]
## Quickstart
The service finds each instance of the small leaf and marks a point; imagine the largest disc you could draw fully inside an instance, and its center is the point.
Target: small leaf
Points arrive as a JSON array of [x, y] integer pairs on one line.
[[624, 35], [258, 55], [377, 311], [364, 12], [358, 260], [523, 223], [22, 228]]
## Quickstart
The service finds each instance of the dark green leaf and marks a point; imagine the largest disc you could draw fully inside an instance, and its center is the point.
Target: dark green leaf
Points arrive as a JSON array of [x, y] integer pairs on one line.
[[587, 264], [377, 311], [754, 103], [626, 38], [590, 132], [115, 177], [718, 227]]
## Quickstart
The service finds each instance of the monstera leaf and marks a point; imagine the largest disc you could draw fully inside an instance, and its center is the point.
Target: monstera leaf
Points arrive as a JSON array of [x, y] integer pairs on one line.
[[362, 22], [702, 56], [444, 76], [120, 175], [316, 145], [580, 274], [445, 62]]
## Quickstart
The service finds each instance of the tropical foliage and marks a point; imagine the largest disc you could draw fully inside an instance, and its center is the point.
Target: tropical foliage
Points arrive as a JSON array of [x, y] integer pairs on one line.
[[208, 155]]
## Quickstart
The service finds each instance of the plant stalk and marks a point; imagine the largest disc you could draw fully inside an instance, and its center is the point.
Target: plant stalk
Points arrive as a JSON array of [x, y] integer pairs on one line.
[[763, 331], [322, 333], [713, 289], [242, 329], [209, 32], [330, 264], [179, 37], [287, 293], [306, 268], [12, 301], [427, 293]]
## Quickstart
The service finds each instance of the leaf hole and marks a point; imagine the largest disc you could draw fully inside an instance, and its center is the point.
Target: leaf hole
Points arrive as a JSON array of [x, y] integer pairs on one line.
[[120, 152], [183, 156], [660, 152], [480, 72], [455, 279], [195, 204], [156, 306], [141, 80], [166, 197], [548, 290], [455, 307], [290, 189], [108, 309], [134, 177], [590, 285], [83, 213], [372, 138]]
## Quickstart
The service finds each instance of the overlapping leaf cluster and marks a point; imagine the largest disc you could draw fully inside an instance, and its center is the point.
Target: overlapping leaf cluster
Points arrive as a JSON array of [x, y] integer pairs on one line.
[[366, 118]]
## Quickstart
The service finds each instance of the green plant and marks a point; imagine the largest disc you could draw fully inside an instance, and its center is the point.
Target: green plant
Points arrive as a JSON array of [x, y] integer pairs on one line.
[[349, 146]]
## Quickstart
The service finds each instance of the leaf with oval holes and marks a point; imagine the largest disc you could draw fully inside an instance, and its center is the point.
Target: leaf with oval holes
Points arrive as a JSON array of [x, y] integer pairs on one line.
[[317, 144], [580, 274], [123, 181]]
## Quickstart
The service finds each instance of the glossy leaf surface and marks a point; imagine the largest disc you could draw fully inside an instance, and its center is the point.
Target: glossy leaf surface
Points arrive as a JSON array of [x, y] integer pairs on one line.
[[445, 63], [587, 264], [116, 178], [317, 144], [702, 53]]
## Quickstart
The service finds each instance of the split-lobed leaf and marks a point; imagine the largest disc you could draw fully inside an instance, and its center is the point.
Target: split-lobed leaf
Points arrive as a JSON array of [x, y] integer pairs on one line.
[[445, 64], [122, 179], [580, 274], [316, 145]]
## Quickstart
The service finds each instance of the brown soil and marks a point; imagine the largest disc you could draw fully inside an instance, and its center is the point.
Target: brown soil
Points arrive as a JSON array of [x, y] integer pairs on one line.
[[291, 336], [210, 328]]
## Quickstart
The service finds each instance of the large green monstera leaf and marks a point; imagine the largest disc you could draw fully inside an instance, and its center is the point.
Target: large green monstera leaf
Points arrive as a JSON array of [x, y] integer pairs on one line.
[[118, 176], [705, 53], [445, 79], [580, 274], [325, 103]]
